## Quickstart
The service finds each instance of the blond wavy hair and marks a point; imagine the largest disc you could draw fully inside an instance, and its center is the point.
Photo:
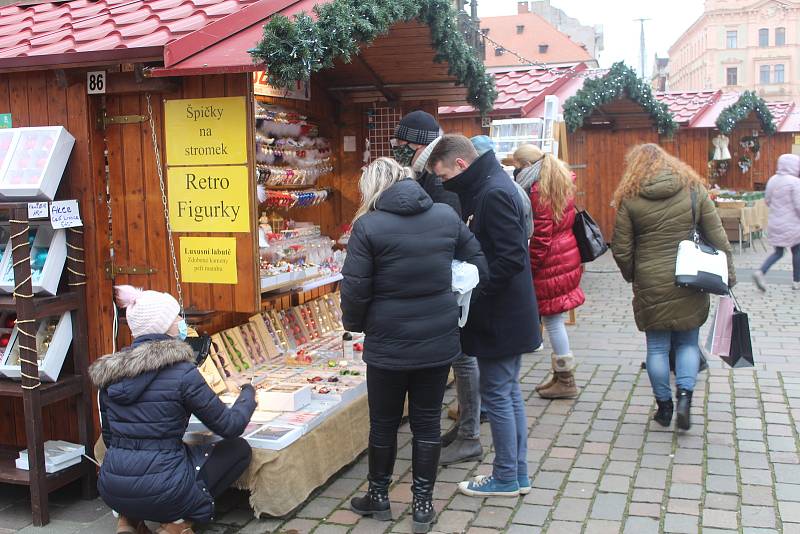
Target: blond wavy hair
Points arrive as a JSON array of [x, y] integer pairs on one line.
[[646, 161], [377, 177], [556, 186]]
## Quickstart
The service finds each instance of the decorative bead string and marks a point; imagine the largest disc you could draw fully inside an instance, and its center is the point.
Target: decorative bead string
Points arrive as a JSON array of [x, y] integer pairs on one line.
[[76, 260], [24, 335]]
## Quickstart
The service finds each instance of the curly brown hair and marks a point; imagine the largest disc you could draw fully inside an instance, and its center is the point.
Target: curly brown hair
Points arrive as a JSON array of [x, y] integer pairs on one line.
[[647, 160]]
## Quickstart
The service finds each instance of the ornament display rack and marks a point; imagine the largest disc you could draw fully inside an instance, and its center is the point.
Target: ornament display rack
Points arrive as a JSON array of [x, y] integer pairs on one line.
[[34, 393]]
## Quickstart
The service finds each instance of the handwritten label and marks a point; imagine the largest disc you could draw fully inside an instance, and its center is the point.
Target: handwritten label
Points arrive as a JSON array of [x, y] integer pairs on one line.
[[208, 260], [65, 214], [38, 210], [206, 131]]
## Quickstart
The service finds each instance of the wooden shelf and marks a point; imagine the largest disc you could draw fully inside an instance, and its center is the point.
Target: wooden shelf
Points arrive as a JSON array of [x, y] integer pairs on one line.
[[9, 474], [46, 306], [66, 387]]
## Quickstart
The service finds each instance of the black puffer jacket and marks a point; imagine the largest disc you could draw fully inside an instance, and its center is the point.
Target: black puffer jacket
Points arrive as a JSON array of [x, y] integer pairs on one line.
[[397, 286], [147, 393], [504, 320]]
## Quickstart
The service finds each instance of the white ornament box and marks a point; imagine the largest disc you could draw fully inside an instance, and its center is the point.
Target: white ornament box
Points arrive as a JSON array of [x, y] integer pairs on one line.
[[58, 455], [53, 339], [274, 437], [49, 244], [33, 161], [284, 398]]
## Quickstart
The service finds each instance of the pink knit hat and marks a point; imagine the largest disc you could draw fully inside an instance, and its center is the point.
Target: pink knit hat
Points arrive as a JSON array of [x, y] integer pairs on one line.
[[147, 312]]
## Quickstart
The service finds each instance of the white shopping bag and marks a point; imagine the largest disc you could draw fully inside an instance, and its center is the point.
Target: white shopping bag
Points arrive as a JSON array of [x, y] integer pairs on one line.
[[465, 278]]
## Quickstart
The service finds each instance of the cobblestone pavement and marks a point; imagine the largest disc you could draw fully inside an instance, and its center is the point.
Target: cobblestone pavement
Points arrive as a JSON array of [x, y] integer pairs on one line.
[[598, 464]]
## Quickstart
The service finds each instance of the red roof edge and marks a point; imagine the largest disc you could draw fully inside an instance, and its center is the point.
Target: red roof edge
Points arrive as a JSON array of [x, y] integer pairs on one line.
[[786, 115], [700, 112], [165, 72], [81, 59], [217, 31], [554, 87]]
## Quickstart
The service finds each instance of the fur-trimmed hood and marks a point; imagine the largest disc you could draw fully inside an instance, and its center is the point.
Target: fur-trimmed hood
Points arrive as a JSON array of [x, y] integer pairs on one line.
[[127, 372]]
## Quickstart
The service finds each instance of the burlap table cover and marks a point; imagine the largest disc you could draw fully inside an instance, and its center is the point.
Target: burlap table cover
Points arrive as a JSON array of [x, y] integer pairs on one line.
[[279, 481]]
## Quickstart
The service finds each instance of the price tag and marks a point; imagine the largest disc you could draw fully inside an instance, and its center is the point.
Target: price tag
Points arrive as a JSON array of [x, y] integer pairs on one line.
[[64, 214], [96, 82], [38, 210]]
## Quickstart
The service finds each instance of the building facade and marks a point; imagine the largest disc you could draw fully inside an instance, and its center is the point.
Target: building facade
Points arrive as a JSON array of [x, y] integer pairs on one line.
[[590, 37], [741, 45]]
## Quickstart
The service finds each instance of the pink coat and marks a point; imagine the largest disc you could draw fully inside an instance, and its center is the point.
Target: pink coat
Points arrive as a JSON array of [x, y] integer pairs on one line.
[[783, 199]]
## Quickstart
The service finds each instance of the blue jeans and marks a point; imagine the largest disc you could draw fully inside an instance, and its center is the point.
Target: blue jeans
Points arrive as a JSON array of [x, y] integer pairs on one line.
[[687, 360], [502, 396], [557, 332], [778, 254], [465, 369]]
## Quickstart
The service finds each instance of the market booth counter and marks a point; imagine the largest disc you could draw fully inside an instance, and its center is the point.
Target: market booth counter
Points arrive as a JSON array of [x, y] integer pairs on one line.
[[199, 178]]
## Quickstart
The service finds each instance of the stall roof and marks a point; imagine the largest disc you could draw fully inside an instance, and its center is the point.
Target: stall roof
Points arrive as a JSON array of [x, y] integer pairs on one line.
[[522, 90], [687, 107], [85, 32], [781, 113]]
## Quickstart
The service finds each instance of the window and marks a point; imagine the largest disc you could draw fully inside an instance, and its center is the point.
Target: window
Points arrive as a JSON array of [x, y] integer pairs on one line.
[[763, 74], [780, 36], [520, 28], [732, 38], [543, 48], [763, 37], [779, 74], [733, 76], [498, 51]]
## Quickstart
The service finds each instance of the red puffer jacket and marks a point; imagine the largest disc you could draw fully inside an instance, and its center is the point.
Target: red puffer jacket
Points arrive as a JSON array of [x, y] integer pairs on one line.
[[555, 260]]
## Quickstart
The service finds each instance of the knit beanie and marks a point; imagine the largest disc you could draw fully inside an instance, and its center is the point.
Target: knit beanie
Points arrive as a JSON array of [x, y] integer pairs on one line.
[[147, 312], [482, 144], [417, 127]]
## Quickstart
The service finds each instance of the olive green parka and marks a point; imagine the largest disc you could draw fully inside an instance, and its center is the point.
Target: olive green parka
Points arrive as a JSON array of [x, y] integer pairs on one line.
[[645, 247]]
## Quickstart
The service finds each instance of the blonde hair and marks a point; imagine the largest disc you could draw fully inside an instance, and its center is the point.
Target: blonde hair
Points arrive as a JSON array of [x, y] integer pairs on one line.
[[646, 161], [377, 177], [556, 186]]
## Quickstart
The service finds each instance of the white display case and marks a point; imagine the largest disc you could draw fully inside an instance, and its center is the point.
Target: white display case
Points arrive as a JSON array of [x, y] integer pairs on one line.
[[284, 398], [510, 134], [49, 244], [53, 339], [274, 437], [34, 161]]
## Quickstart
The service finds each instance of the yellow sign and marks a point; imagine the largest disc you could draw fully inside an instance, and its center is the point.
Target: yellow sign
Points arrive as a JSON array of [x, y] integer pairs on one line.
[[206, 131], [209, 199], [208, 260]]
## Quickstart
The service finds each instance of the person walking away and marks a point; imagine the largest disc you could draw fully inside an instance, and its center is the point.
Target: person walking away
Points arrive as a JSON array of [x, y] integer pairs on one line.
[[502, 318], [783, 228], [555, 259], [397, 289], [654, 214], [147, 393], [415, 136]]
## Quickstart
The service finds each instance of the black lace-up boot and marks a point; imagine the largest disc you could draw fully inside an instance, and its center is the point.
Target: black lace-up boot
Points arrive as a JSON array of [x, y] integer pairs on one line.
[[375, 503]]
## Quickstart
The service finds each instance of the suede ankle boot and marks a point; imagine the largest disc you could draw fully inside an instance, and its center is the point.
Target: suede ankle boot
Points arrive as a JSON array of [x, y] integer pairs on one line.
[[563, 388], [424, 463], [682, 412], [664, 414], [375, 502]]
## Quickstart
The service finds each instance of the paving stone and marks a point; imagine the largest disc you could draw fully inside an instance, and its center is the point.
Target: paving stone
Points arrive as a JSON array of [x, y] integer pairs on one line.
[[721, 467], [721, 502], [651, 478], [645, 509], [531, 515], [756, 477], [302, 526], [641, 525], [721, 484], [609, 506], [757, 495], [549, 480], [492, 516], [687, 474], [543, 497], [453, 521], [720, 519], [523, 529], [621, 468], [596, 526], [648, 495], [758, 516], [570, 509], [615, 484], [684, 524], [331, 529], [683, 506], [583, 475], [685, 491], [564, 527], [790, 512]]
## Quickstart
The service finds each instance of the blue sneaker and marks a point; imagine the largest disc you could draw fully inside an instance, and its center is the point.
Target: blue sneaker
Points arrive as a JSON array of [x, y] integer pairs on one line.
[[524, 485], [483, 486]]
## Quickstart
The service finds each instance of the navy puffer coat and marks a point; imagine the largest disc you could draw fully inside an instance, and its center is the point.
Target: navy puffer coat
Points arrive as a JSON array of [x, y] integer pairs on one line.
[[397, 285], [147, 393]]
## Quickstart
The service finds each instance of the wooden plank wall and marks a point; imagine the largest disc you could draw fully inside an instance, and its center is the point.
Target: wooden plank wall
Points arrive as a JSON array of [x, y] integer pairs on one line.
[[469, 126]]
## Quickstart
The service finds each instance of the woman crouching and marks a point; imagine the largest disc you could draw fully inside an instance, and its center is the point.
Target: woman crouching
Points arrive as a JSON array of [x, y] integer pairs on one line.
[[147, 393]]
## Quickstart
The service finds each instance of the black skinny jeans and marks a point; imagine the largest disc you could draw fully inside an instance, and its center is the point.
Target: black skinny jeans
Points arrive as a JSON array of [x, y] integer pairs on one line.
[[386, 392], [227, 460]]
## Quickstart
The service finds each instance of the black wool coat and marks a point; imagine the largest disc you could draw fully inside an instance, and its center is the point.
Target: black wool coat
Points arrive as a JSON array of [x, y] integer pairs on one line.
[[504, 319], [397, 285], [147, 393], [432, 185]]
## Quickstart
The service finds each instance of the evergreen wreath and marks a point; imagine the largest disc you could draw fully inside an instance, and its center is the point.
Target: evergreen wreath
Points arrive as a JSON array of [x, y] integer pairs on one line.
[[748, 102], [620, 81], [294, 49]]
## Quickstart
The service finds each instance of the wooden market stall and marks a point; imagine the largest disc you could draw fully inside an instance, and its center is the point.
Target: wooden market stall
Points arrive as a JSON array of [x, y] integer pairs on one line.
[[161, 100]]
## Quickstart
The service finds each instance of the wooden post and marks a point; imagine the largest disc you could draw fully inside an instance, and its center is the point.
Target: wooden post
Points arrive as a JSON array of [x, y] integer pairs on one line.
[[31, 398]]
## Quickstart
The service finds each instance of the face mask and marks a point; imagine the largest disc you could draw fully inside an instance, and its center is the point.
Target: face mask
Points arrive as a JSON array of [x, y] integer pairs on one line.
[[403, 154], [183, 329]]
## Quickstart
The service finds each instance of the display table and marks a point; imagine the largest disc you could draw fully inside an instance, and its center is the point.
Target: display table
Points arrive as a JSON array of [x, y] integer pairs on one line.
[[280, 481], [741, 222]]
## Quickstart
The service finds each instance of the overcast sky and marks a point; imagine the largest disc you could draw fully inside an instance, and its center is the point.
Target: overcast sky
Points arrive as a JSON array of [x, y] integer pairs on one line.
[[669, 20]]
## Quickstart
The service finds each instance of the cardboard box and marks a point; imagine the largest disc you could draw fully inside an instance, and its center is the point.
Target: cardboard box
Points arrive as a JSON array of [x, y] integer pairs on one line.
[[51, 361], [284, 398], [35, 163], [47, 239]]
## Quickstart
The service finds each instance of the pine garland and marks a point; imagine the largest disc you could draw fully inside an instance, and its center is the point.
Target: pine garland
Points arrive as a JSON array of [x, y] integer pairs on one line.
[[294, 49], [748, 102], [620, 81]]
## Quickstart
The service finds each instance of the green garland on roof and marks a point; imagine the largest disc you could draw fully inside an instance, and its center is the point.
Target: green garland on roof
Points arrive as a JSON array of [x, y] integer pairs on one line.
[[748, 102], [294, 48], [620, 81]]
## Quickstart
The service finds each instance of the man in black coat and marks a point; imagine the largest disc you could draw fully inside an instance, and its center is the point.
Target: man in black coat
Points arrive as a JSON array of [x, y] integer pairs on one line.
[[415, 136], [503, 321]]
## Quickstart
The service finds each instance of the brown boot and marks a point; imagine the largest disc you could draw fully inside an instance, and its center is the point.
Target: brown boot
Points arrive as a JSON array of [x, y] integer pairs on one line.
[[131, 526], [453, 412], [564, 387], [175, 528]]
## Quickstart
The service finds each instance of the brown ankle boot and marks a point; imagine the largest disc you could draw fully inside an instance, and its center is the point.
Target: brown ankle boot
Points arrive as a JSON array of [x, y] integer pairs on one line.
[[131, 526], [175, 528], [548, 381], [564, 387]]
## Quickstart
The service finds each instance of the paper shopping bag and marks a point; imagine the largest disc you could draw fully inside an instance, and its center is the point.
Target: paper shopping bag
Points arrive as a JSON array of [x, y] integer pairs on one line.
[[741, 348], [719, 335]]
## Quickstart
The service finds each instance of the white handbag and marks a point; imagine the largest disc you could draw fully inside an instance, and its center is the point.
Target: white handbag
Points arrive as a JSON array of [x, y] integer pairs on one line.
[[699, 265]]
